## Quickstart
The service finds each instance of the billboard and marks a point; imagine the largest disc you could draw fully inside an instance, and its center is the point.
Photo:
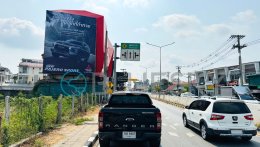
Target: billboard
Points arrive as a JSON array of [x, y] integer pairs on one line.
[[70, 43]]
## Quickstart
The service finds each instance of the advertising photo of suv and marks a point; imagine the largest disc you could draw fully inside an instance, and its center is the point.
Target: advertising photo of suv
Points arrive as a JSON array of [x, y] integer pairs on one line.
[[73, 49], [220, 118]]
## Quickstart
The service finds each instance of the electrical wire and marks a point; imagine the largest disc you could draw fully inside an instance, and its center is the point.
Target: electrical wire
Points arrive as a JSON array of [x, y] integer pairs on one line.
[[225, 54], [213, 54], [252, 42]]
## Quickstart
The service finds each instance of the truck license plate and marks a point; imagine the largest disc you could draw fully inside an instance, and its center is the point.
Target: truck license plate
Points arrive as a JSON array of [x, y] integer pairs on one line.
[[236, 132], [131, 134]]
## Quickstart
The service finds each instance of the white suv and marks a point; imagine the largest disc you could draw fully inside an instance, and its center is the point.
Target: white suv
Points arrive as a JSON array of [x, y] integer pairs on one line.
[[220, 118]]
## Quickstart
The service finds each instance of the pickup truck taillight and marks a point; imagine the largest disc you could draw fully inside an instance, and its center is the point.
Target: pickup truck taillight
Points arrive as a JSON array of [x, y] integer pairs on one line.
[[159, 121], [100, 120]]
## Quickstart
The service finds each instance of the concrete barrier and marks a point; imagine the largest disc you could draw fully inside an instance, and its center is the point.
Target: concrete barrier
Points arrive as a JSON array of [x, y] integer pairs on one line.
[[255, 108]]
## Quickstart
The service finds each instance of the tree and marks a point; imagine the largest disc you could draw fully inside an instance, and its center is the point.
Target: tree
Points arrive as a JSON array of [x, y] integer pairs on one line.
[[157, 88], [15, 78], [1, 96], [164, 84]]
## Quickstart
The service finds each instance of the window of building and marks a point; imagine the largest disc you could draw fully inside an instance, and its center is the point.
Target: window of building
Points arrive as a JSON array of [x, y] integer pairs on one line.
[[24, 69]]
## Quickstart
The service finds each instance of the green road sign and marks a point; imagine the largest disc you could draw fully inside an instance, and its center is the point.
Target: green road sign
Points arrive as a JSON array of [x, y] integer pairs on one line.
[[130, 46]]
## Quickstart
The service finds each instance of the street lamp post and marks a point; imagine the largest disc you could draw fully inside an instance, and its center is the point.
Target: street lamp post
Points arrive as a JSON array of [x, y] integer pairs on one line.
[[160, 61]]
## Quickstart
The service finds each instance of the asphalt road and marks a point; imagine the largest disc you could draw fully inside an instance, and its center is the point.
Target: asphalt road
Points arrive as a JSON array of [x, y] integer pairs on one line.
[[175, 134]]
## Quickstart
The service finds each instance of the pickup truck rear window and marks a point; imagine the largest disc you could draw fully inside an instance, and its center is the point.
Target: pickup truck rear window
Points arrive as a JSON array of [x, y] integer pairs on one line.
[[230, 108], [130, 99]]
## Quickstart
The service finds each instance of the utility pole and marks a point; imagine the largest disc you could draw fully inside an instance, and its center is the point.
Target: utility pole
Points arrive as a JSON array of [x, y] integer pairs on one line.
[[114, 71], [239, 47], [189, 81], [179, 71]]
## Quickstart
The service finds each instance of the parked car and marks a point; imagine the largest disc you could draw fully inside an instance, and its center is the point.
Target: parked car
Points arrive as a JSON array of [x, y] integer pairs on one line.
[[72, 49], [223, 117], [129, 116], [188, 94], [205, 97]]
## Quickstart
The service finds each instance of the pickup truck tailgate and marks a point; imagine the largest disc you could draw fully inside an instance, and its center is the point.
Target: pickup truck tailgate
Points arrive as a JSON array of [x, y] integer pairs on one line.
[[131, 119]]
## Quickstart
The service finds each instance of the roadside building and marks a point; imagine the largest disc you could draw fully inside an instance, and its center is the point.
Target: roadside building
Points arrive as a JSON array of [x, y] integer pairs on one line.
[[30, 71], [209, 81], [5, 75]]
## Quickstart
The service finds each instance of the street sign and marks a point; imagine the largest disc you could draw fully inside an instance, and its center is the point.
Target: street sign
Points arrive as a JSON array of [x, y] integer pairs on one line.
[[121, 77], [109, 84], [109, 91], [130, 52]]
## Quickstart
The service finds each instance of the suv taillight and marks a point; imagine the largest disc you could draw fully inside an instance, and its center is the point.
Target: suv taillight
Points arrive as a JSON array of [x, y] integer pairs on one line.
[[249, 117], [159, 121], [216, 117], [100, 120]]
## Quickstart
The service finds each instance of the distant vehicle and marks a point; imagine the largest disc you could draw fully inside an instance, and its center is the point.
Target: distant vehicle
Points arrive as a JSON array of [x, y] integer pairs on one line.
[[188, 94], [239, 92], [220, 118], [71, 48], [205, 97], [129, 116]]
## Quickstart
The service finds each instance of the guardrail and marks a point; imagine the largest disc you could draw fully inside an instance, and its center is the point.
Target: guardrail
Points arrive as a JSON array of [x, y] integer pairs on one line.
[[255, 108]]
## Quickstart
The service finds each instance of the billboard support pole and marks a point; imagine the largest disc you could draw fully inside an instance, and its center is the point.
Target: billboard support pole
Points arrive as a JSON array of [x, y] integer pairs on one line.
[[114, 71], [105, 66], [93, 83]]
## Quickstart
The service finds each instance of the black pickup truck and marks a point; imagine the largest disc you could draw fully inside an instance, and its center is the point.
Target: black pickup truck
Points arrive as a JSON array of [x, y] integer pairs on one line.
[[129, 116]]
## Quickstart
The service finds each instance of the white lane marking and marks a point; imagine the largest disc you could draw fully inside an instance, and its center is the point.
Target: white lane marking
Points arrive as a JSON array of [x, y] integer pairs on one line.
[[190, 134], [172, 127], [173, 134], [176, 124], [164, 124], [91, 139], [96, 132]]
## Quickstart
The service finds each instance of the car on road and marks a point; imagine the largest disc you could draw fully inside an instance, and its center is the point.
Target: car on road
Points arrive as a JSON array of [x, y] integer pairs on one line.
[[129, 116], [221, 117]]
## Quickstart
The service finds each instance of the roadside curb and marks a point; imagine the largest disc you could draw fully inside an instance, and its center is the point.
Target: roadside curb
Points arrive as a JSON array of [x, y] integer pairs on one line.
[[92, 140], [26, 139]]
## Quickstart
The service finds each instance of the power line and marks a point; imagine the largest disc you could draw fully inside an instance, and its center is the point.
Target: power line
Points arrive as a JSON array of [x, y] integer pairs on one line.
[[219, 55], [226, 54], [252, 42], [213, 54]]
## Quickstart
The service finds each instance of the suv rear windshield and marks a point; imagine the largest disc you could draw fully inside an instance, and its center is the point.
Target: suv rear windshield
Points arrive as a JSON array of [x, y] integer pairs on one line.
[[130, 99], [230, 108]]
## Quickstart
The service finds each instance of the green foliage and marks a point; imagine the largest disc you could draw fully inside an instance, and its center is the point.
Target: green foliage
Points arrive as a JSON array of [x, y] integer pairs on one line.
[[186, 88], [38, 143], [157, 88], [20, 94], [5, 140], [79, 121], [1, 96], [30, 116]]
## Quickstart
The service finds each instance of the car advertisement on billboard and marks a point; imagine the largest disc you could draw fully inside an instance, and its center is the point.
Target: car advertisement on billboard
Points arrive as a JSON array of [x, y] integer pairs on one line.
[[70, 43]]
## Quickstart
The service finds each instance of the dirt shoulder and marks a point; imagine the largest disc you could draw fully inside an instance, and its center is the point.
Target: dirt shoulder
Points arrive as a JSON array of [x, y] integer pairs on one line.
[[69, 134]]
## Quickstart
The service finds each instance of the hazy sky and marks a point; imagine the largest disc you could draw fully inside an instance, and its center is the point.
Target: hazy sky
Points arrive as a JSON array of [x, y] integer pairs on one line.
[[198, 27]]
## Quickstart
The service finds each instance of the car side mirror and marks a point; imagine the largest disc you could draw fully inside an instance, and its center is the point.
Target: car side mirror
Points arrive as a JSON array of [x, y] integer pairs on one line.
[[186, 107]]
